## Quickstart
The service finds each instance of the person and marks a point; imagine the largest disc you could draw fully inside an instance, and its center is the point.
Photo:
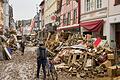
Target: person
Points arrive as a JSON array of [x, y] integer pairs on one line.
[[41, 59], [22, 44]]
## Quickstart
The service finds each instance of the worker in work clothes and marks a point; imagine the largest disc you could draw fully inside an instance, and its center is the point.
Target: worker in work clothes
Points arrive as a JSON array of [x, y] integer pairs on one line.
[[23, 44], [41, 59]]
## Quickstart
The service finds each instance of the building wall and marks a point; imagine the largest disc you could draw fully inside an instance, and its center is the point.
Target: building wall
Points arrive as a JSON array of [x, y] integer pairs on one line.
[[114, 17], [42, 14], [114, 12], [1, 16], [68, 8], [6, 15], [95, 14], [49, 11], [113, 9]]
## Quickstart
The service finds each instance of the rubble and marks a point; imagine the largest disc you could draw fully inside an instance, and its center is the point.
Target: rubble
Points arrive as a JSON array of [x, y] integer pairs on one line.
[[78, 56], [8, 44], [84, 56]]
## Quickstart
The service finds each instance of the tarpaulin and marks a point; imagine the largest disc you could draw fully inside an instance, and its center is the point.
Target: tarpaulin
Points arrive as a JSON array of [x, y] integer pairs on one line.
[[93, 26]]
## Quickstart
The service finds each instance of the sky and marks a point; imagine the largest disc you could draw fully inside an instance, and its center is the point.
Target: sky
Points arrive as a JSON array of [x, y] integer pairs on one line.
[[24, 9]]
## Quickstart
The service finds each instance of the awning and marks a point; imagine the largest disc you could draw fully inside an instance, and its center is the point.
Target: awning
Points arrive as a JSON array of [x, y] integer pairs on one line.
[[93, 26], [68, 27]]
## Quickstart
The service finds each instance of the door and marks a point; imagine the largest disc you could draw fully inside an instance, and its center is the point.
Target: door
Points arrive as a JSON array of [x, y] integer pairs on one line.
[[117, 26], [118, 40]]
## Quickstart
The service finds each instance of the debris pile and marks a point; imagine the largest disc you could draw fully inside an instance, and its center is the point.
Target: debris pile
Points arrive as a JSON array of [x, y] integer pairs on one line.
[[8, 44], [82, 56]]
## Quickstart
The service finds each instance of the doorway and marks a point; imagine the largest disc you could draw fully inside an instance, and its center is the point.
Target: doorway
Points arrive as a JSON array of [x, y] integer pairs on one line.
[[117, 33]]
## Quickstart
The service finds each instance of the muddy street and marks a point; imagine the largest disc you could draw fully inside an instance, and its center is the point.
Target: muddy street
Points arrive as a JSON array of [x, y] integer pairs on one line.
[[20, 67], [23, 67]]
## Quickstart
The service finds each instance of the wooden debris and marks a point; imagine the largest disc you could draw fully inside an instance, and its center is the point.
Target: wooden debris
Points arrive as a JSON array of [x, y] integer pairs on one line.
[[111, 56], [113, 71], [78, 53]]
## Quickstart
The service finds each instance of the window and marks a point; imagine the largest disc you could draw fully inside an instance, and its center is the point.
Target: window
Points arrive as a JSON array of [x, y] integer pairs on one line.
[[87, 5], [91, 5], [117, 2], [75, 16], [67, 2], [64, 19], [98, 4], [69, 18]]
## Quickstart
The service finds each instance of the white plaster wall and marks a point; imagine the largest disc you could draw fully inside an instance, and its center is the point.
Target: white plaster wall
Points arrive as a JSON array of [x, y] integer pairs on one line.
[[106, 30], [105, 3], [94, 13], [114, 17], [82, 6], [109, 32], [112, 36], [113, 10]]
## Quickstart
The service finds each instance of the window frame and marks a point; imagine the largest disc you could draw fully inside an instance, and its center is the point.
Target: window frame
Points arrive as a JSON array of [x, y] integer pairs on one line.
[[87, 4], [98, 4], [74, 16], [69, 18], [64, 19]]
